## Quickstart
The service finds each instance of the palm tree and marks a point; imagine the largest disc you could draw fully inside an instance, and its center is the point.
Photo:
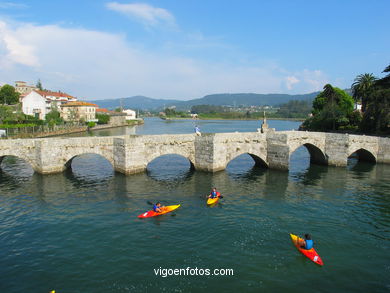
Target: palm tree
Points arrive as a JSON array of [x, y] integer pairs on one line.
[[362, 87], [331, 97], [385, 81]]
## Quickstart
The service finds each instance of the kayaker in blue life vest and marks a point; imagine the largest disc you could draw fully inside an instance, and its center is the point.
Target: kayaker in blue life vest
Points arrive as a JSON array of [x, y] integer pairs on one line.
[[214, 193], [307, 243], [157, 207]]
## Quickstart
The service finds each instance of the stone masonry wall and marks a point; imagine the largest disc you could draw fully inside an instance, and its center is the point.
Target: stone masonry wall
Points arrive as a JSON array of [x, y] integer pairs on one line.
[[208, 152]]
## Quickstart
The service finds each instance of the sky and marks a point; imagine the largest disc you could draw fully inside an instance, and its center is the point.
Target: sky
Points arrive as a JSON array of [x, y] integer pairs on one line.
[[175, 49]]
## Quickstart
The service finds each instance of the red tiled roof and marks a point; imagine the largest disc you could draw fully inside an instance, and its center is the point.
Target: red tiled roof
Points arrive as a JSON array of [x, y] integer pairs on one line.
[[54, 94], [103, 110], [79, 104]]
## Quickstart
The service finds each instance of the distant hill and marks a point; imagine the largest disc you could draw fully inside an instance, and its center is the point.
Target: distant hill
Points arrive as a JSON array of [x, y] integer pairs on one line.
[[136, 102], [145, 103]]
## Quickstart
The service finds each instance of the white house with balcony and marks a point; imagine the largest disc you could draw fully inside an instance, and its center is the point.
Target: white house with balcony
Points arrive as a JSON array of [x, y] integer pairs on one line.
[[39, 103]]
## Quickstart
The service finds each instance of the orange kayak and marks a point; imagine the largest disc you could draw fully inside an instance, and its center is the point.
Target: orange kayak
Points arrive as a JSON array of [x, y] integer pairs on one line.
[[309, 253], [165, 210]]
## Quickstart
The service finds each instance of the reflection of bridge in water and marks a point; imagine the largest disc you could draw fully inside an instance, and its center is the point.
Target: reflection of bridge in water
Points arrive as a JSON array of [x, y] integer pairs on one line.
[[208, 152]]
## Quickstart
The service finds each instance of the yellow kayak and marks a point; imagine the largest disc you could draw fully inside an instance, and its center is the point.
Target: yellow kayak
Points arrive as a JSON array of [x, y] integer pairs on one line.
[[211, 201]]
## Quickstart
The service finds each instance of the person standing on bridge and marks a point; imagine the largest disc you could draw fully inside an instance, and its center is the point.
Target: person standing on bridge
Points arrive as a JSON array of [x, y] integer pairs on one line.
[[197, 130]]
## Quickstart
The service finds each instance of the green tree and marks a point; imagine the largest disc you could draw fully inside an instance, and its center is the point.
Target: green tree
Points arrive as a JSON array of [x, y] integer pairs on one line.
[[53, 117], [362, 87], [8, 95], [103, 118], [5, 113], [376, 118], [331, 110], [39, 85]]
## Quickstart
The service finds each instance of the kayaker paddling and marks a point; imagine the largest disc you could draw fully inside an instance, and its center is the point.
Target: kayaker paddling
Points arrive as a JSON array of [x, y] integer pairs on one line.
[[157, 207], [305, 246], [214, 193], [306, 243]]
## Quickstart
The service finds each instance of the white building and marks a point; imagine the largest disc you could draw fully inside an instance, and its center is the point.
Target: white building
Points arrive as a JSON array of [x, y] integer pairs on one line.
[[357, 107], [39, 103], [130, 114], [23, 88]]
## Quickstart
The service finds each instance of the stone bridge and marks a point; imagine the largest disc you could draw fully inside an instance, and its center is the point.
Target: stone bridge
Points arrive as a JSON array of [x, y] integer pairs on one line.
[[208, 152]]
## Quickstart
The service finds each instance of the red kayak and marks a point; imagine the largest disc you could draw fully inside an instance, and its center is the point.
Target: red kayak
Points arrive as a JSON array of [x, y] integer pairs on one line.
[[309, 253], [165, 210]]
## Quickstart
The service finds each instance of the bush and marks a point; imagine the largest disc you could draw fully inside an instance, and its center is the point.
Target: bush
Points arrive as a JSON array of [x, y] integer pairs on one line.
[[53, 117], [91, 124], [103, 118], [16, 125]]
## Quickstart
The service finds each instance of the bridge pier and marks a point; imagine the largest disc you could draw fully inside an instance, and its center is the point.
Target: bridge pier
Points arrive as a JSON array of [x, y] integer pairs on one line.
[[383, 150], [336, 149], [278, 151], [128, 158], [206, 153]]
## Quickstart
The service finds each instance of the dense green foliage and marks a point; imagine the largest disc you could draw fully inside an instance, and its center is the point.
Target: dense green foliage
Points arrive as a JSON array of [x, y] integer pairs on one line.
[[8, 95], [172, 113], [53, 118], [17, 125], [362, 88], [207, 109], [103, 118], [294, 109], [14, 115], [332, 110], [376, 118], [231, 115]]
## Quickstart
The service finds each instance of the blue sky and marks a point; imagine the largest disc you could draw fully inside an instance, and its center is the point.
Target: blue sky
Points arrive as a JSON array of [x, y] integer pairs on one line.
[[187, 49]]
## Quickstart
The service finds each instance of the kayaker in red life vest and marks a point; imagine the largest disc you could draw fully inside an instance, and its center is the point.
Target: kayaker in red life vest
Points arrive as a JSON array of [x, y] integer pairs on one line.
[[157, 207], [214, 193], [307, 243]]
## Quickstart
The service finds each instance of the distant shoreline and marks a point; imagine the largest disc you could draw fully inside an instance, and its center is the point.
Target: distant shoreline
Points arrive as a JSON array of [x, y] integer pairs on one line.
[[244, 119]]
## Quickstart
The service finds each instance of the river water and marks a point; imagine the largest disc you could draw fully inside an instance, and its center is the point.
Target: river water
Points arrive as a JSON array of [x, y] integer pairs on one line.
[[78, 231]]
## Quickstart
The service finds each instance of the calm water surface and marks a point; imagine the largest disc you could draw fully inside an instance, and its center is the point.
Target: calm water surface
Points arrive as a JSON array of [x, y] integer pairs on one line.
[[78, 231]]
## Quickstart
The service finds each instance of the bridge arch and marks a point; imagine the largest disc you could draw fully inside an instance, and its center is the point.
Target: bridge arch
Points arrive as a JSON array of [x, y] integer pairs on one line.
[[364, 155], [70, 157], [181, 154], [31, 162], [260, 160], [317, 155]]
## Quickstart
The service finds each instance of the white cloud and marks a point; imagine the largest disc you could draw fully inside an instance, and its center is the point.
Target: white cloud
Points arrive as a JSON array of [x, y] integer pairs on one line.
[[12, 5], [95, 65], [306, 81], [290, 81], [14, 50], [145, 13]]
